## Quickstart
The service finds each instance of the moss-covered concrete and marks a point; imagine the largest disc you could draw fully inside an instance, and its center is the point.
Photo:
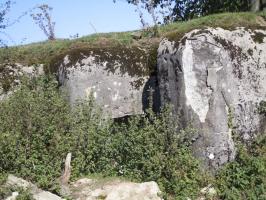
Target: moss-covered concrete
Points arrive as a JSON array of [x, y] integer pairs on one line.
[[44, 52], [258, 37], [133, 60]]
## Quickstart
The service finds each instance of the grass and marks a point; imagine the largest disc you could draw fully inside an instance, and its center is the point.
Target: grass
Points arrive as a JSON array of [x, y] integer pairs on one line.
[[43, 52], [229, 21], [106, 179]]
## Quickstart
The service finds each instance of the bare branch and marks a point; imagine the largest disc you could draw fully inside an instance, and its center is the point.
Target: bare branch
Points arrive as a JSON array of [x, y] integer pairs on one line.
[[43, 19]]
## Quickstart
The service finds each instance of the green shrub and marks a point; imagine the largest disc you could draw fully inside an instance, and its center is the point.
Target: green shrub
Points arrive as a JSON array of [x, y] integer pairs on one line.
[[245, 178], [4, 191], [38, 128], [24, 195], [152, 148], [34, 124], [144, 148], [90, 132], [3, 177]]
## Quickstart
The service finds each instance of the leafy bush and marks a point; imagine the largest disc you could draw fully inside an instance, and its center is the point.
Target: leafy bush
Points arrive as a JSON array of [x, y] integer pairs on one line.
[[34, 124], [24, 194], [38, 128], [149, 148], [245, 178], [91, 132], [144, 148]]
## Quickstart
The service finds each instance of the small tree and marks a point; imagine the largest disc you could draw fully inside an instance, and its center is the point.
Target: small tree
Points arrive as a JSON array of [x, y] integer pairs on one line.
[[43, 19], [6, 23], [157, 9], [258, 5], [159, 13], [181, 10], [4, 9]]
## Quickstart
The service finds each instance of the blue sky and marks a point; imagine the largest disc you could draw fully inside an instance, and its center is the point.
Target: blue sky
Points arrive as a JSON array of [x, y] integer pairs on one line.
[[72, 17]]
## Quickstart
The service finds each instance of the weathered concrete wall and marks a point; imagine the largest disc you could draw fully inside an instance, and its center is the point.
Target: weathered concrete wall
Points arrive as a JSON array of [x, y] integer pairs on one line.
[[116, 78], [214, 78]]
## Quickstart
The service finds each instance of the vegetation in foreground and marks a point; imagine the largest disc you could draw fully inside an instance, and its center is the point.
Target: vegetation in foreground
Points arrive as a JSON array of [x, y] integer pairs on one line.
[[38, 128], [46, 129]]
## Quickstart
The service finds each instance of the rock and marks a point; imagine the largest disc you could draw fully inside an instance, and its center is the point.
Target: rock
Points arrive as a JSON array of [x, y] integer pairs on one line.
[[83, 182], [89, 189], [37, 193], [209, 191], [136, 35], [19, 182], [11, 74], [13, 196], [114, 77], [214, 78], [44, 195]]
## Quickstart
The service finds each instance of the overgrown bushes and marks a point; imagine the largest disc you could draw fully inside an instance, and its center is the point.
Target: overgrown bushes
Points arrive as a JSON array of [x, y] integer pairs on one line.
[[144, 148], [245, 178], [34, 124], [38, 128]]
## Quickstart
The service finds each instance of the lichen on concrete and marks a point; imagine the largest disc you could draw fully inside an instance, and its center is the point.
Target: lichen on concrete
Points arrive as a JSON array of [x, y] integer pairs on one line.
[[133, 60], [259, 37], [116, 77], [216, 70]]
